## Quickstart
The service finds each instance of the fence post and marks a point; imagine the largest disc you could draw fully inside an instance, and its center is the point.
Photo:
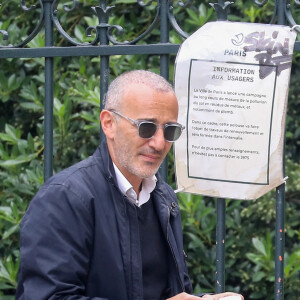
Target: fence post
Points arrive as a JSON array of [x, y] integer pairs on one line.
[[279, 243], [280, 202], [164, 63], [221, 11], [220, 246], [49, 86], [104, 59]]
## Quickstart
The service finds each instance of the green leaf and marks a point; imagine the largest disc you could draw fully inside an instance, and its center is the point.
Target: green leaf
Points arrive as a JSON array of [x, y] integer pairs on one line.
[[22, 146], [3, 272], [126, 1], [19, 160], [193, 15], [10, 231], [11, 81], [92, 21], [30, 142], [32, 106], [259, 246], [6, 214], [29, 92], [7, 138], [253, 257], [12, 132], [257, 276], [79, 33]]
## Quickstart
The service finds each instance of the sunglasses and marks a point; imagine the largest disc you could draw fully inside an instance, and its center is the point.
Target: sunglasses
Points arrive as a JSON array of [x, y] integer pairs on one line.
[[147, 129]]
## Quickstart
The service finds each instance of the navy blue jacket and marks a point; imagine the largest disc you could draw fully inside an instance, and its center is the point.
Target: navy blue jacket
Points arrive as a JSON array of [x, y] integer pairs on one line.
[[80, 238]]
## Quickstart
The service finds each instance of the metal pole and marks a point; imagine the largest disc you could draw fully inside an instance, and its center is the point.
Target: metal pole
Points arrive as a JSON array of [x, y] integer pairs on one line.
[[280, 203], [164, 64], [104, 60], [220, 246], [279, 243], [104, 81], [164, 37], [49, 73]]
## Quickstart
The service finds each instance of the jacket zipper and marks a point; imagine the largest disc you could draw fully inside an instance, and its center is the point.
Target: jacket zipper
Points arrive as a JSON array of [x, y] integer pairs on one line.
[[183, 289]]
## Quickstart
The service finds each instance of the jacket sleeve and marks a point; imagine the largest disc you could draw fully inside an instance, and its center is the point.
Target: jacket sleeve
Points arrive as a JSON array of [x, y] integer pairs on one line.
[[56, 242]]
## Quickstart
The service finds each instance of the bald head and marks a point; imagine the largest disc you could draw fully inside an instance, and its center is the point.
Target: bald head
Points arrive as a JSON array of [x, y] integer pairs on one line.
[[117, 88]]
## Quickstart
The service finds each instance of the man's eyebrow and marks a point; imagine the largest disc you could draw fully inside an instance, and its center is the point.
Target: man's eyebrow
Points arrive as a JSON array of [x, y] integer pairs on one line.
[[147, 119]]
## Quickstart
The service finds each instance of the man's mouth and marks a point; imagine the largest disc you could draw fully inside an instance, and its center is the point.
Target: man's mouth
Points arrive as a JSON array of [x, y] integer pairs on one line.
[[151, 157]]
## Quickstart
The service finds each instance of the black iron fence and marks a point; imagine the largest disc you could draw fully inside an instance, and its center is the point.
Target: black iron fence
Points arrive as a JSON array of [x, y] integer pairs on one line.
[[104, 43]]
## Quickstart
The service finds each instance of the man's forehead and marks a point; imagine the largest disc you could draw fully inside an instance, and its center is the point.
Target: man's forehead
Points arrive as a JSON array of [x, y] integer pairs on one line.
[[137, 88], [147, 103], [148, 96]]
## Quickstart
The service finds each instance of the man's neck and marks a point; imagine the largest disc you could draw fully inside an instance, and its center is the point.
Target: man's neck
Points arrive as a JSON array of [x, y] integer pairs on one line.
[[135, 181], [137, 187], [146, 187]]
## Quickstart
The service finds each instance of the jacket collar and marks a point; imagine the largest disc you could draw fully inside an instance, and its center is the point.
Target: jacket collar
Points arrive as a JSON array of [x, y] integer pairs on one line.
[[105, 162]]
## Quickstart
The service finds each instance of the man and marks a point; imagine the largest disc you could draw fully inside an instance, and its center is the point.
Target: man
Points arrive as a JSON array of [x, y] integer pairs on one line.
[[109, 227]]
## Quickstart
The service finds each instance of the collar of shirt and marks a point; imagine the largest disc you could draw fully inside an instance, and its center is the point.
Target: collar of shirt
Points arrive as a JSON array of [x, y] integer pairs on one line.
[[148, 185]]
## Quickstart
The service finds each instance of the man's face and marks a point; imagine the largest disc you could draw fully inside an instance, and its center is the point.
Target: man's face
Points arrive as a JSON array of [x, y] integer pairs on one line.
[[136, 157]]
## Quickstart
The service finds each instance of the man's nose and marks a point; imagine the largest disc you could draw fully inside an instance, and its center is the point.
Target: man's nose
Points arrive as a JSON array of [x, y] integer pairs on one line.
[[158, 140]]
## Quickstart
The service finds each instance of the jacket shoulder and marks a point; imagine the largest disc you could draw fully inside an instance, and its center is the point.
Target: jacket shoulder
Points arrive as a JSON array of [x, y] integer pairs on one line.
[[77, 185], [80, 169]]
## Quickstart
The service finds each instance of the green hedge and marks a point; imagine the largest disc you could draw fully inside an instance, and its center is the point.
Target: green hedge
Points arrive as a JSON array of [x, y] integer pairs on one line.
[[250, 224]]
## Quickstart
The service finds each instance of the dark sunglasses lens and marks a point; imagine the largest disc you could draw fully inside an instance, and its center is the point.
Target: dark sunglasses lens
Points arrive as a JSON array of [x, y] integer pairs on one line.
[[172, 132], [147, 130]]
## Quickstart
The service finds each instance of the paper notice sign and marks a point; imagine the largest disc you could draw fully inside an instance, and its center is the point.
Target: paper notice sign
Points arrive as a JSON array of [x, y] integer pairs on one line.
[[231, 81]]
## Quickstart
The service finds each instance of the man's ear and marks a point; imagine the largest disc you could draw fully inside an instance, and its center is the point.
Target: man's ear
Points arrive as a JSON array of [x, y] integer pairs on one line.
[[108, 123]]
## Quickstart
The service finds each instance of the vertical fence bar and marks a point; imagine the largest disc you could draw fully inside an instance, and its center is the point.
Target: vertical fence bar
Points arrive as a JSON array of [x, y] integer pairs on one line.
[[48, 123], [221, 11], [164, 37], [279, 243], [104, 60], [220, 246], [164, 63], [104, 81], [280, 202]]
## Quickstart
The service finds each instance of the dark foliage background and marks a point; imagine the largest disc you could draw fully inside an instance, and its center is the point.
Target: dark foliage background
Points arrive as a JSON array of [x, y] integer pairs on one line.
[[250, 225]]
